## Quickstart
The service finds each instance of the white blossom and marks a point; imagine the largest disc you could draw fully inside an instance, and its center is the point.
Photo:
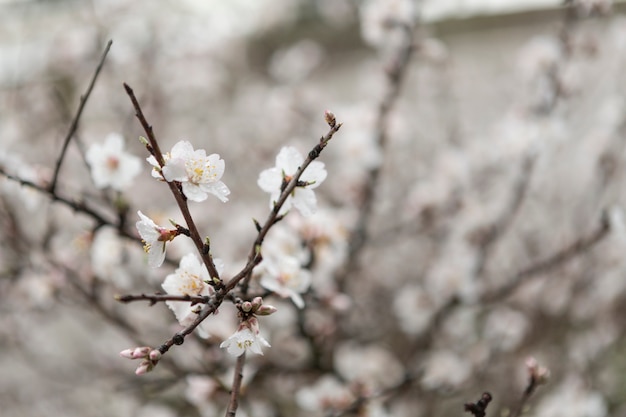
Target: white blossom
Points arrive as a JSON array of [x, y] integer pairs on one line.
[[154, 237], [190, 278], [244, 339], [303, 198], [286, 277], [110, 165], [199, 174]]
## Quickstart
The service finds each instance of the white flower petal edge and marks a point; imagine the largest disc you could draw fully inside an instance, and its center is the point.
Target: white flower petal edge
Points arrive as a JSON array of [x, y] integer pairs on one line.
[[303, 198], [150, 233], [242, 340]]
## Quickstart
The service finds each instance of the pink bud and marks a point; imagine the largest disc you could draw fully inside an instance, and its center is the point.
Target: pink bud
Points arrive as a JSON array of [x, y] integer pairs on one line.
[[155, 355], [257, 302], [246, 306], [127, 353], [266, 310], [144, 367], [141, 352]]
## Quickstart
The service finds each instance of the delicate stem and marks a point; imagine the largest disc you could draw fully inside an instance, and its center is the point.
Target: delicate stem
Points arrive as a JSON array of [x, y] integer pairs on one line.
[[236, 388], [181, 200], [254, 257], [580, 245], [157, 298], [74, 125], [79, 206]]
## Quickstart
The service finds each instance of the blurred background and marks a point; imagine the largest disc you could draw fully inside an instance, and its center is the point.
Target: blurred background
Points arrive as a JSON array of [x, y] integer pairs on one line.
[[496, 229]]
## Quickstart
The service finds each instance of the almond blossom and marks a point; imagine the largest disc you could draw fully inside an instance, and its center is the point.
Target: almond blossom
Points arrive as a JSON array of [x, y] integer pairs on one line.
[[302, 197], [110, 165], [190, 278], [247, 337], [154, 237], [199, 174], [286, 277]]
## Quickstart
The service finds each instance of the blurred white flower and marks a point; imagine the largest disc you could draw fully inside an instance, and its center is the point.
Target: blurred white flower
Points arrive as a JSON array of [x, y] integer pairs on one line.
[[372, 366], [107, 254], [296, 62], [303, 198], [285, 277], [190, 278], [445, 369], [244, 339], [327, 393], [505, 328], [380, 17], [200, 389], [199, 174], [110, 165], [154, 237], [572, 399], [414, 309]]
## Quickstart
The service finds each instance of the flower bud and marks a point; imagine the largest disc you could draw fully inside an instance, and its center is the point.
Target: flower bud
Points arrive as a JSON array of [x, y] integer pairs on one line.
[[329, 117], [155, 355], [266, 310], [246, 306], [127, 353], [144, 367], [141, 352], [257, 302]]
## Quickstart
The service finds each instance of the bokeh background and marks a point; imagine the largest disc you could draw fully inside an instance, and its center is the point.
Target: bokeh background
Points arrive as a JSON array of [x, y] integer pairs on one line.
[[497, 228]]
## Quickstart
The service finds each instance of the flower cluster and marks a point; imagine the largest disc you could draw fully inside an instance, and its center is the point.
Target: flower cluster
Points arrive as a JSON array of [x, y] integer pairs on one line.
[[149, 358], [247, 336]]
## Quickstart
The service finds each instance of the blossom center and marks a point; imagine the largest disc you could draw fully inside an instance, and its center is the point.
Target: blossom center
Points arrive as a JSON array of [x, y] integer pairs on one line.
[[112, 163]]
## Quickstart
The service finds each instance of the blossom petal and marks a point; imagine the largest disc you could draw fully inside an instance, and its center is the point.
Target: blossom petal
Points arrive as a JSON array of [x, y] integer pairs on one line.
[[218, 189], [270, 180], [305, 201], [289, 160]]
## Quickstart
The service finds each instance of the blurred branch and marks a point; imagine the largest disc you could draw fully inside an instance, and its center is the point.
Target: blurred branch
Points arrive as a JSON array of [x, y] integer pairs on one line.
[[395, 71], [79, 112], [569, 252], [488, 236]]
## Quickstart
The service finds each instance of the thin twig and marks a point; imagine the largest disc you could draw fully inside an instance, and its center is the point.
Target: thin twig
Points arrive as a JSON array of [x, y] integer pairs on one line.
[[396, 70], [236, 388], [158, 298], [577, 247], [78, 206], [79, 112], [254, 257], [181, 200], [498, 228]]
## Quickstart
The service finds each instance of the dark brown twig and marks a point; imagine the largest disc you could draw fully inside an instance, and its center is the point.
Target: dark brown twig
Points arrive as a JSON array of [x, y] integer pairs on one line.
[[479, 408], [159, 298], [236, 387], [181, 200], [79, 112]]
